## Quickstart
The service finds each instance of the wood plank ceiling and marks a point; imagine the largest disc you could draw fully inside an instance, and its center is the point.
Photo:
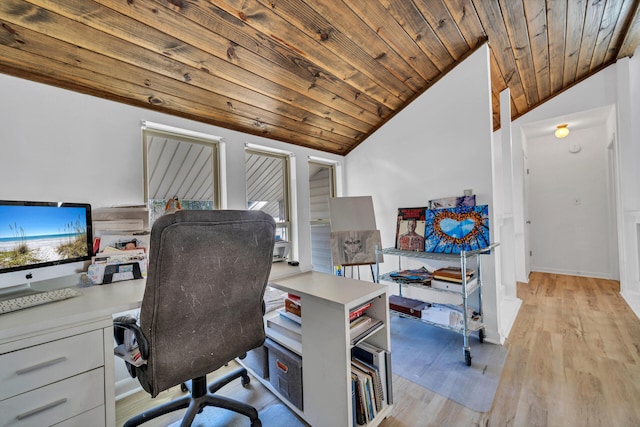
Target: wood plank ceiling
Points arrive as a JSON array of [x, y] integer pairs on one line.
[[315, 73]]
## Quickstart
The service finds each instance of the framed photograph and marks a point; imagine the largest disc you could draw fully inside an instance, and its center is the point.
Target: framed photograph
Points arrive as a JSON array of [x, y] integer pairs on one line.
[[354, 247], [410, 229], [451, 230]]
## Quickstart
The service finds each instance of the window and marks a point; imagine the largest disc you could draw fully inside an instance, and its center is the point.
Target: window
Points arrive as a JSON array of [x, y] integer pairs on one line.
[[322, 186], [267, 174], [179, 163]]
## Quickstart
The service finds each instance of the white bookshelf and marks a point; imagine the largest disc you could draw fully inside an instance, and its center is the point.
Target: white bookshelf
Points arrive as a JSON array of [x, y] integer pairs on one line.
[[325, 347]]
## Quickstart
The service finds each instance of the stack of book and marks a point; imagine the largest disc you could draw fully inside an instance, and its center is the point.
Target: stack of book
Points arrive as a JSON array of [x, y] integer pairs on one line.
[[370, 390], [292, 308], [362, 325], [450, 278], [288, 322]]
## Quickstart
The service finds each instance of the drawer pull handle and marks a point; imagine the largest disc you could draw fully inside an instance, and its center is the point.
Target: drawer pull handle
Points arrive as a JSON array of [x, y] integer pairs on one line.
[[40, 365], [40, 409]]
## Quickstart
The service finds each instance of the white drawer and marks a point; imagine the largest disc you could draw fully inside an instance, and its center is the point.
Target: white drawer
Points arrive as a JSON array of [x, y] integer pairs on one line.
[[56, 402], [33, 367], [92, 418]]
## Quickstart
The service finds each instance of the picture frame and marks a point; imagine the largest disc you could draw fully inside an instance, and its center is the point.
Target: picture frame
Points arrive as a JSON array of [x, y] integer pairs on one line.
[[452, 230], [452, 202], [357, 247], [410, 228]]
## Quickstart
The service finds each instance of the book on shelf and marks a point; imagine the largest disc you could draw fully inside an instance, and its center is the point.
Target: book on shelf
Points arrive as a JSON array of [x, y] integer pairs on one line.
[[291, 316], [285, 327], [359, 311], [293, 297], [380, 359], [365, 384], [293, 306], [360, 323], [363, 326], [451, 274], [357, 404], [377, 394], [358, 401]]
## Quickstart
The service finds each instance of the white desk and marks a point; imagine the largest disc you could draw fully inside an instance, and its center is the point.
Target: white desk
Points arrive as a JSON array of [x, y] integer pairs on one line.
[[56, 360], [57, 364]]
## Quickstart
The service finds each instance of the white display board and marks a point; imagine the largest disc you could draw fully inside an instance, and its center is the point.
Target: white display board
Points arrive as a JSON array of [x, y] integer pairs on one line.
[[352, 213]]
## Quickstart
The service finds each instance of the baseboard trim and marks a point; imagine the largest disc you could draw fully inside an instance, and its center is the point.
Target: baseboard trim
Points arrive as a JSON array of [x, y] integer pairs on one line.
[[509, 309], [126, 387], [633, 300]]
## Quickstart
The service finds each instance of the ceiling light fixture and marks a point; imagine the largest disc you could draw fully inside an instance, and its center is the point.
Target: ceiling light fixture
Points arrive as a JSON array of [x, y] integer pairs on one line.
[[562, 131]]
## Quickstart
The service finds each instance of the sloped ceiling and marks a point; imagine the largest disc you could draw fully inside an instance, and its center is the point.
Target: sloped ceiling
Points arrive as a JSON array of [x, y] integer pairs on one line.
[[323, 74]]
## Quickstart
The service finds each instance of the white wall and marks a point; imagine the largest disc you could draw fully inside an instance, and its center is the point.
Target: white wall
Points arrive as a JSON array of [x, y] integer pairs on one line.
[[568, 204], [616, 86], [438, 146], [58, 145]]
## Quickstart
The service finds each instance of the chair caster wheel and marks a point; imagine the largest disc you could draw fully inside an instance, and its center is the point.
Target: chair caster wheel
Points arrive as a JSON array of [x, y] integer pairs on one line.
[[245, 382]]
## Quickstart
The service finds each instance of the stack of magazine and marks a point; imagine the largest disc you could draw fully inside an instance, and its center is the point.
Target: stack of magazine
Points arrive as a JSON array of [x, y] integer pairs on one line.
[[370, 388], [420, 276]]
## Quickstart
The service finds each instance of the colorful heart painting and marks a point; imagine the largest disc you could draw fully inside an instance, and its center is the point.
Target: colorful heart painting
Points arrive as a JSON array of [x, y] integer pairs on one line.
[[451, 230]]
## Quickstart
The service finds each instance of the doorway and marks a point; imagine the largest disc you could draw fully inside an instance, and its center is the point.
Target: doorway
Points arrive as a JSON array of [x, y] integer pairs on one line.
[[570, 197]]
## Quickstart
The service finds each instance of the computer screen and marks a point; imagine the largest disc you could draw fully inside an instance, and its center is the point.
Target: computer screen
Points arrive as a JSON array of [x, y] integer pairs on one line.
[[43, 240]]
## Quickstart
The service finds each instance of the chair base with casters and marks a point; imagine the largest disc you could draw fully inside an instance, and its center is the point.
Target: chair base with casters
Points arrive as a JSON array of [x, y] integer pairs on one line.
[[200, 397]]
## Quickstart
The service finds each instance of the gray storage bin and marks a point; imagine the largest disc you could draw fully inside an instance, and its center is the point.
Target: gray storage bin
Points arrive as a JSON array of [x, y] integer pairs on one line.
[[285, 372], [258, 361]]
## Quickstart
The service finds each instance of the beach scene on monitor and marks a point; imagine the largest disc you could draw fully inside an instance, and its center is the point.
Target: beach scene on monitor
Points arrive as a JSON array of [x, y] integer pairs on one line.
[[40, 234]]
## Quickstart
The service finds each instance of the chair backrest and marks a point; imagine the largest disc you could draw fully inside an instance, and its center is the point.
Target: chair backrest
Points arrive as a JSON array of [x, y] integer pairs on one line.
[[202, 304]]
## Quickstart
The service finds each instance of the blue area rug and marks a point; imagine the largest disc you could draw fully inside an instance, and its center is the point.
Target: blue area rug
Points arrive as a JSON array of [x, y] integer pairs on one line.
[[434, 358], [277, 415]]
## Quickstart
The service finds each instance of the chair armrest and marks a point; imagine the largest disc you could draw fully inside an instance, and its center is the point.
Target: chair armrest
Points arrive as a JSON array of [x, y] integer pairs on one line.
[[127, 323]]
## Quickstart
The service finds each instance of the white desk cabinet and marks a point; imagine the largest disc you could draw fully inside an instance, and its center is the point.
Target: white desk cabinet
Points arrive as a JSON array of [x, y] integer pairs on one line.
[[56, 360]]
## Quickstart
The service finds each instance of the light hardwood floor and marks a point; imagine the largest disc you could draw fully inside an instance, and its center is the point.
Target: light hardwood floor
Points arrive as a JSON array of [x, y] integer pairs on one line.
[[574, 360]]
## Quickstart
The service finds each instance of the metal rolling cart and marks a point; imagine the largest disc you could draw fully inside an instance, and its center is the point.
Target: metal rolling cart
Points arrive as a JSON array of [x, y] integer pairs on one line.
[[468, 287]]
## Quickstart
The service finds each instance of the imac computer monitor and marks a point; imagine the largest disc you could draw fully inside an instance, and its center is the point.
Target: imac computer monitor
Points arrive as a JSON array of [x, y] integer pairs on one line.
[[42, 240]]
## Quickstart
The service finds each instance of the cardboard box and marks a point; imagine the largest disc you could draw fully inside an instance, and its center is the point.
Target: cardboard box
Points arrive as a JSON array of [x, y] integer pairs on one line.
[[436, 314]]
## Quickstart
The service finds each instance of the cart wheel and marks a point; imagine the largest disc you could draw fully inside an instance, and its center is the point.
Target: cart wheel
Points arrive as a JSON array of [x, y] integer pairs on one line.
[[481, 335], [467, 357], [245, 381]]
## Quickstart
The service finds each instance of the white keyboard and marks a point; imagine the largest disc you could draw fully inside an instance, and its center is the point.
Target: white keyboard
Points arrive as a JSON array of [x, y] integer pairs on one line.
[[39, 298]]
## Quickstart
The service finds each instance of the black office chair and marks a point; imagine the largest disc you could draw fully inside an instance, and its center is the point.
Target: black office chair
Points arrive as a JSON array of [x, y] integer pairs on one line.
[[202, 306]]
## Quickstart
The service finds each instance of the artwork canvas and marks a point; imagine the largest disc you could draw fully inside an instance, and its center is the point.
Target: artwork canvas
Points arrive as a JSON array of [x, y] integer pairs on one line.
[[354, 247], [451, 230], [452, 202], [410, 229]]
